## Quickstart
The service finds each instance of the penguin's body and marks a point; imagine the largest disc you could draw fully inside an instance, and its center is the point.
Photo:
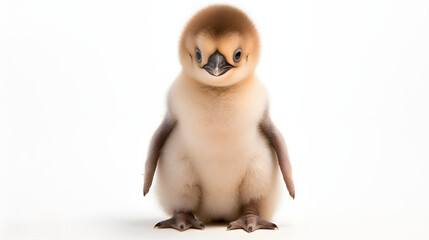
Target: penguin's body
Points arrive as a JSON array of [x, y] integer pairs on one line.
[[228, 160], [217, 151]]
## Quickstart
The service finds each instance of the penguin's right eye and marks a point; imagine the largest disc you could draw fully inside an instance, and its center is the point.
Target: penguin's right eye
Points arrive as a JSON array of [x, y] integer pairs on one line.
[[198, 54], [237, 55]]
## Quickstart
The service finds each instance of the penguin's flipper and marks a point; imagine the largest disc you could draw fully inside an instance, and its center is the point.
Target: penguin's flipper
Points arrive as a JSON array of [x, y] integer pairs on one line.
[[158, 140], [277, 141]]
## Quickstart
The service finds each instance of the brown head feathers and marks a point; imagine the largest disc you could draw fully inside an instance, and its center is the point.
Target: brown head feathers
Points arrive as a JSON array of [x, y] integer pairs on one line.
[[217, 21]]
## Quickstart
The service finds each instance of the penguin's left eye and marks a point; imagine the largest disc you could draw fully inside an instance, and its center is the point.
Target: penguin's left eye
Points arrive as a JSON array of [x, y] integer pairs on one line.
[[198, 54], [237, 55]]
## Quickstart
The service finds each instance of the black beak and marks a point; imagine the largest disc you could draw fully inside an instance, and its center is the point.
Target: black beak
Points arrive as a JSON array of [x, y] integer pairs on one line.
[[217, 64]]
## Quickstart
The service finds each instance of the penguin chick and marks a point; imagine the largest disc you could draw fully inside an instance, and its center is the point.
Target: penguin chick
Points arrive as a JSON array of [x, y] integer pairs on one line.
[[217, 152]]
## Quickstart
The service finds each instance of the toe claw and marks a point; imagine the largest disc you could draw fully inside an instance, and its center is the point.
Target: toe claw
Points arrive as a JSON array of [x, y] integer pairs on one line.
[[275, 226]]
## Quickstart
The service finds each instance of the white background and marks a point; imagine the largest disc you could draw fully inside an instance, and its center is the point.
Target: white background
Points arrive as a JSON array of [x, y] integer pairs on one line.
[[83, 85]]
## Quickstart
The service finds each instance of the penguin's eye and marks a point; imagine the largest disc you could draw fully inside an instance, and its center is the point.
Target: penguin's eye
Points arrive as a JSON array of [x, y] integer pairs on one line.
[[237, 55], [198, 54]]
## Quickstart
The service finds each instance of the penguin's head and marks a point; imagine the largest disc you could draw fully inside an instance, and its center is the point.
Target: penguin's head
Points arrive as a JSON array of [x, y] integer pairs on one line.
[[219, 46]]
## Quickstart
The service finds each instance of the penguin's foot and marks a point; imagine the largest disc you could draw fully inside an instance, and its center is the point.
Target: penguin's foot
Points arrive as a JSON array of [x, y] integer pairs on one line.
[[181, 221], [251, 222]]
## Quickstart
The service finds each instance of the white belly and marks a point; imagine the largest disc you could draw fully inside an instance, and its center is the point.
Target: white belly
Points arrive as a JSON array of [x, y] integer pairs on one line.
[[221, 162]]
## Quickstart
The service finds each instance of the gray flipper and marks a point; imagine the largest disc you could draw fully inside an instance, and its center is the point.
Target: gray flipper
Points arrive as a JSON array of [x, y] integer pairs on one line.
[[158, 140], [277, 141]]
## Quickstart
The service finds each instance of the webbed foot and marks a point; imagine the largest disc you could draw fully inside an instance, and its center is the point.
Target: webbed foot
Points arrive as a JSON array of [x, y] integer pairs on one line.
[[181, 221], [251, 222]]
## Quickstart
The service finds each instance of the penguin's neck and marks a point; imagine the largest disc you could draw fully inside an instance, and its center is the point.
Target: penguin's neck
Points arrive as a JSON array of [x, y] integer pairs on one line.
[[223, 92]]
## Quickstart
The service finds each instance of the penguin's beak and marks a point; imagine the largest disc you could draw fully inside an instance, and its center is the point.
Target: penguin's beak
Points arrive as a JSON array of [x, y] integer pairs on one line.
[[217, 64]]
